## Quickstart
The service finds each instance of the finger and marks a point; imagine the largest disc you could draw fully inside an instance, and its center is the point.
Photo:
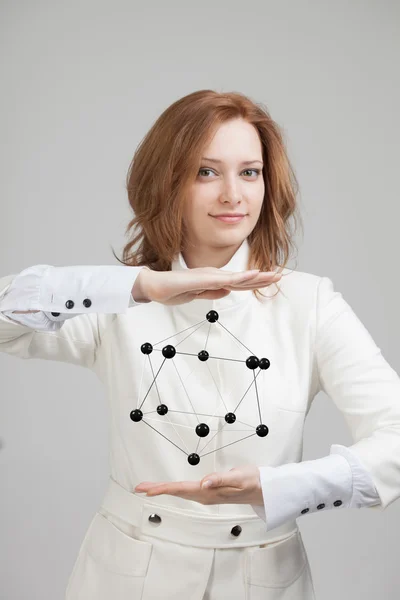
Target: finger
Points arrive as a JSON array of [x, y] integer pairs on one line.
[[210, 280], [263, 276], [213, 294], [175, 488], [261, 279], [146, 485], [250, 286]]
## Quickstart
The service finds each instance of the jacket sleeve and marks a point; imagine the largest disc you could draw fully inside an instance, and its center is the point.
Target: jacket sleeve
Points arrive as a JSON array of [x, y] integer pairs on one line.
[[75, 295], [294, 490], [365, 388], [352, 371]]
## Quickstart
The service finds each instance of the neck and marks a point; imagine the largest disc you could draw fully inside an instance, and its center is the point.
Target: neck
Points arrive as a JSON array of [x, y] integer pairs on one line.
[[209, 256]]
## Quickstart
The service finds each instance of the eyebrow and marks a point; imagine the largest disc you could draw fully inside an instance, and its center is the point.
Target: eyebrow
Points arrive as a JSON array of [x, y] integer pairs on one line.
[[244, 162]]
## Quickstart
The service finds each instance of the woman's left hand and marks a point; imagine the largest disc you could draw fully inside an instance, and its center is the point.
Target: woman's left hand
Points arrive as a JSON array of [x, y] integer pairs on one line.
[[238, 486]]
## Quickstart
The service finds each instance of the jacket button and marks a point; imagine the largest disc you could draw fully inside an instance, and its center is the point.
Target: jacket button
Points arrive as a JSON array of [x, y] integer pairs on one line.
[[304, 511], [87, 302], [55, 314], [337, 503], [70, 304], [320, 506], [236, 530], [155, 518]]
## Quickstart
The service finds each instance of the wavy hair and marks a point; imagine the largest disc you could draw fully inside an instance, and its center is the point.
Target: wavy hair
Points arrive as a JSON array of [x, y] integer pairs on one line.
[[166, 162]]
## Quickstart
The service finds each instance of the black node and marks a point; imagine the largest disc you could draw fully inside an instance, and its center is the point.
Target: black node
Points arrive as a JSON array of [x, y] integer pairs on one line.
[[193, 459], [262, 430], [202, 429], [162, 409], [212, 316], [168, 351], [230, 417], [252, 362], [146, 348], [136, 415], [203, 355], [264, 363]]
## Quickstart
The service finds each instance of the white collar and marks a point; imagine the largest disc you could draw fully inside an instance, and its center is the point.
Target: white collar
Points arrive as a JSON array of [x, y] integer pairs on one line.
[[238, 262], [200, 307]]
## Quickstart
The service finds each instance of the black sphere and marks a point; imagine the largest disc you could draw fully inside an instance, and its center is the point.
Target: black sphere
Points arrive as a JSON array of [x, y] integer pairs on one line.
[[262, 430], [203, 355], [264, 363], [162, 409], [252, 362], [212, 316], [193, 459], [136, 415], [202, 429], [168, 351], [230, 417], [146, 348]]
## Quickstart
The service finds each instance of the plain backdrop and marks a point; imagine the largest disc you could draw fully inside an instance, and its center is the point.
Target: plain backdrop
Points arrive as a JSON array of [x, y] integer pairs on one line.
[[81, 84]]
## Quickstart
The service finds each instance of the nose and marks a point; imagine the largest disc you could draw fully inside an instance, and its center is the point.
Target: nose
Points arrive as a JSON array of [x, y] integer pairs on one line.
[[231, 192]]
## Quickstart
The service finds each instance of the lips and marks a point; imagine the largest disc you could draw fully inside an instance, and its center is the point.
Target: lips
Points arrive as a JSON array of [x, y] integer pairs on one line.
[[229, 219]]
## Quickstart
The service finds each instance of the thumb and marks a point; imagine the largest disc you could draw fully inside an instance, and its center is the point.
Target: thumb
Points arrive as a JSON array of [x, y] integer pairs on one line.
[[212, 294], [212, 481]]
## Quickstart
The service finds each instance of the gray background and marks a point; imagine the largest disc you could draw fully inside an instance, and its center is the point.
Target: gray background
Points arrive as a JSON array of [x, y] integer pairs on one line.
[[82, 82]]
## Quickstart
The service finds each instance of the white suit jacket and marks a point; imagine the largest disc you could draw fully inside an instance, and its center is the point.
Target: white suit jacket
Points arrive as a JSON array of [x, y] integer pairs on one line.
[[308, 332]]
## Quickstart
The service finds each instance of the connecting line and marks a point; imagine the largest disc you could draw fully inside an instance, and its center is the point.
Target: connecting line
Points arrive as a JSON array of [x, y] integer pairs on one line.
[[218, 357], [151, 412], [183, 330], [140, 386], [210, 440], [183, 385], [154, 379], [197, 445], [254, 380], [205, 347], [159, 399], [188, 336], [148, 391], [230, 333], [243, 423], [208, 333], [186, 339], [241, 440], [164, 436], [220, 395], [226, 395], [219, 430], [258, 400], [201, 414]]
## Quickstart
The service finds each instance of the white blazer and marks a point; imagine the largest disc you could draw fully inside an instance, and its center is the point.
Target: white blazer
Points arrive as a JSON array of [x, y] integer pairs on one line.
[[308, 332]]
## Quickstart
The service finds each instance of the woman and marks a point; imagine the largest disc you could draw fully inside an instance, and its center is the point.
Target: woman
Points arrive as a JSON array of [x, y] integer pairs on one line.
[[170, 332]]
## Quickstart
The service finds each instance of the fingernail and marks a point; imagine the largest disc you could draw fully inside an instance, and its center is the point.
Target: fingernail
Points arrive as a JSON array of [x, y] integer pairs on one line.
[[207, 484]]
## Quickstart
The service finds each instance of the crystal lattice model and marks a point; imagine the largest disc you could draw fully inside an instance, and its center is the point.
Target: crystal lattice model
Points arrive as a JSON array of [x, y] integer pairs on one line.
[[202, 429]]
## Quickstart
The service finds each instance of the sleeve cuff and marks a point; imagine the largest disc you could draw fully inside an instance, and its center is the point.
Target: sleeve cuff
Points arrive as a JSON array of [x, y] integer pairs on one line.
[[295, 489], [364, 490], [36, 321], [72, 289]]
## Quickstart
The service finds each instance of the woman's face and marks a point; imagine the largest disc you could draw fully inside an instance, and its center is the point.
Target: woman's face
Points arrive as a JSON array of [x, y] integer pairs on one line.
[[231, 183]]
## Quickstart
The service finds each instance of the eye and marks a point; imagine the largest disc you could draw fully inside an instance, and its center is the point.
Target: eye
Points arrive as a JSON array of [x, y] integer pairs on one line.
[[205, 169], [256, 171]]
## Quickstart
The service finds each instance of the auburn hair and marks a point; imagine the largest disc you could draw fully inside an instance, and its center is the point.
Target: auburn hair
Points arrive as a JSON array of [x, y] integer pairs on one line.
[[166, 162]]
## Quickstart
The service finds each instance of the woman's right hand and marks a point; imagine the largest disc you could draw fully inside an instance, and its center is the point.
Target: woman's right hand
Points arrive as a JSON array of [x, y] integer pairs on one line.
[[179, 287]]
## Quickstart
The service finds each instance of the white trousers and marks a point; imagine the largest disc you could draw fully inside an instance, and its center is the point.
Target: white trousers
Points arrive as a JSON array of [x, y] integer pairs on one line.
[[136, 551]]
